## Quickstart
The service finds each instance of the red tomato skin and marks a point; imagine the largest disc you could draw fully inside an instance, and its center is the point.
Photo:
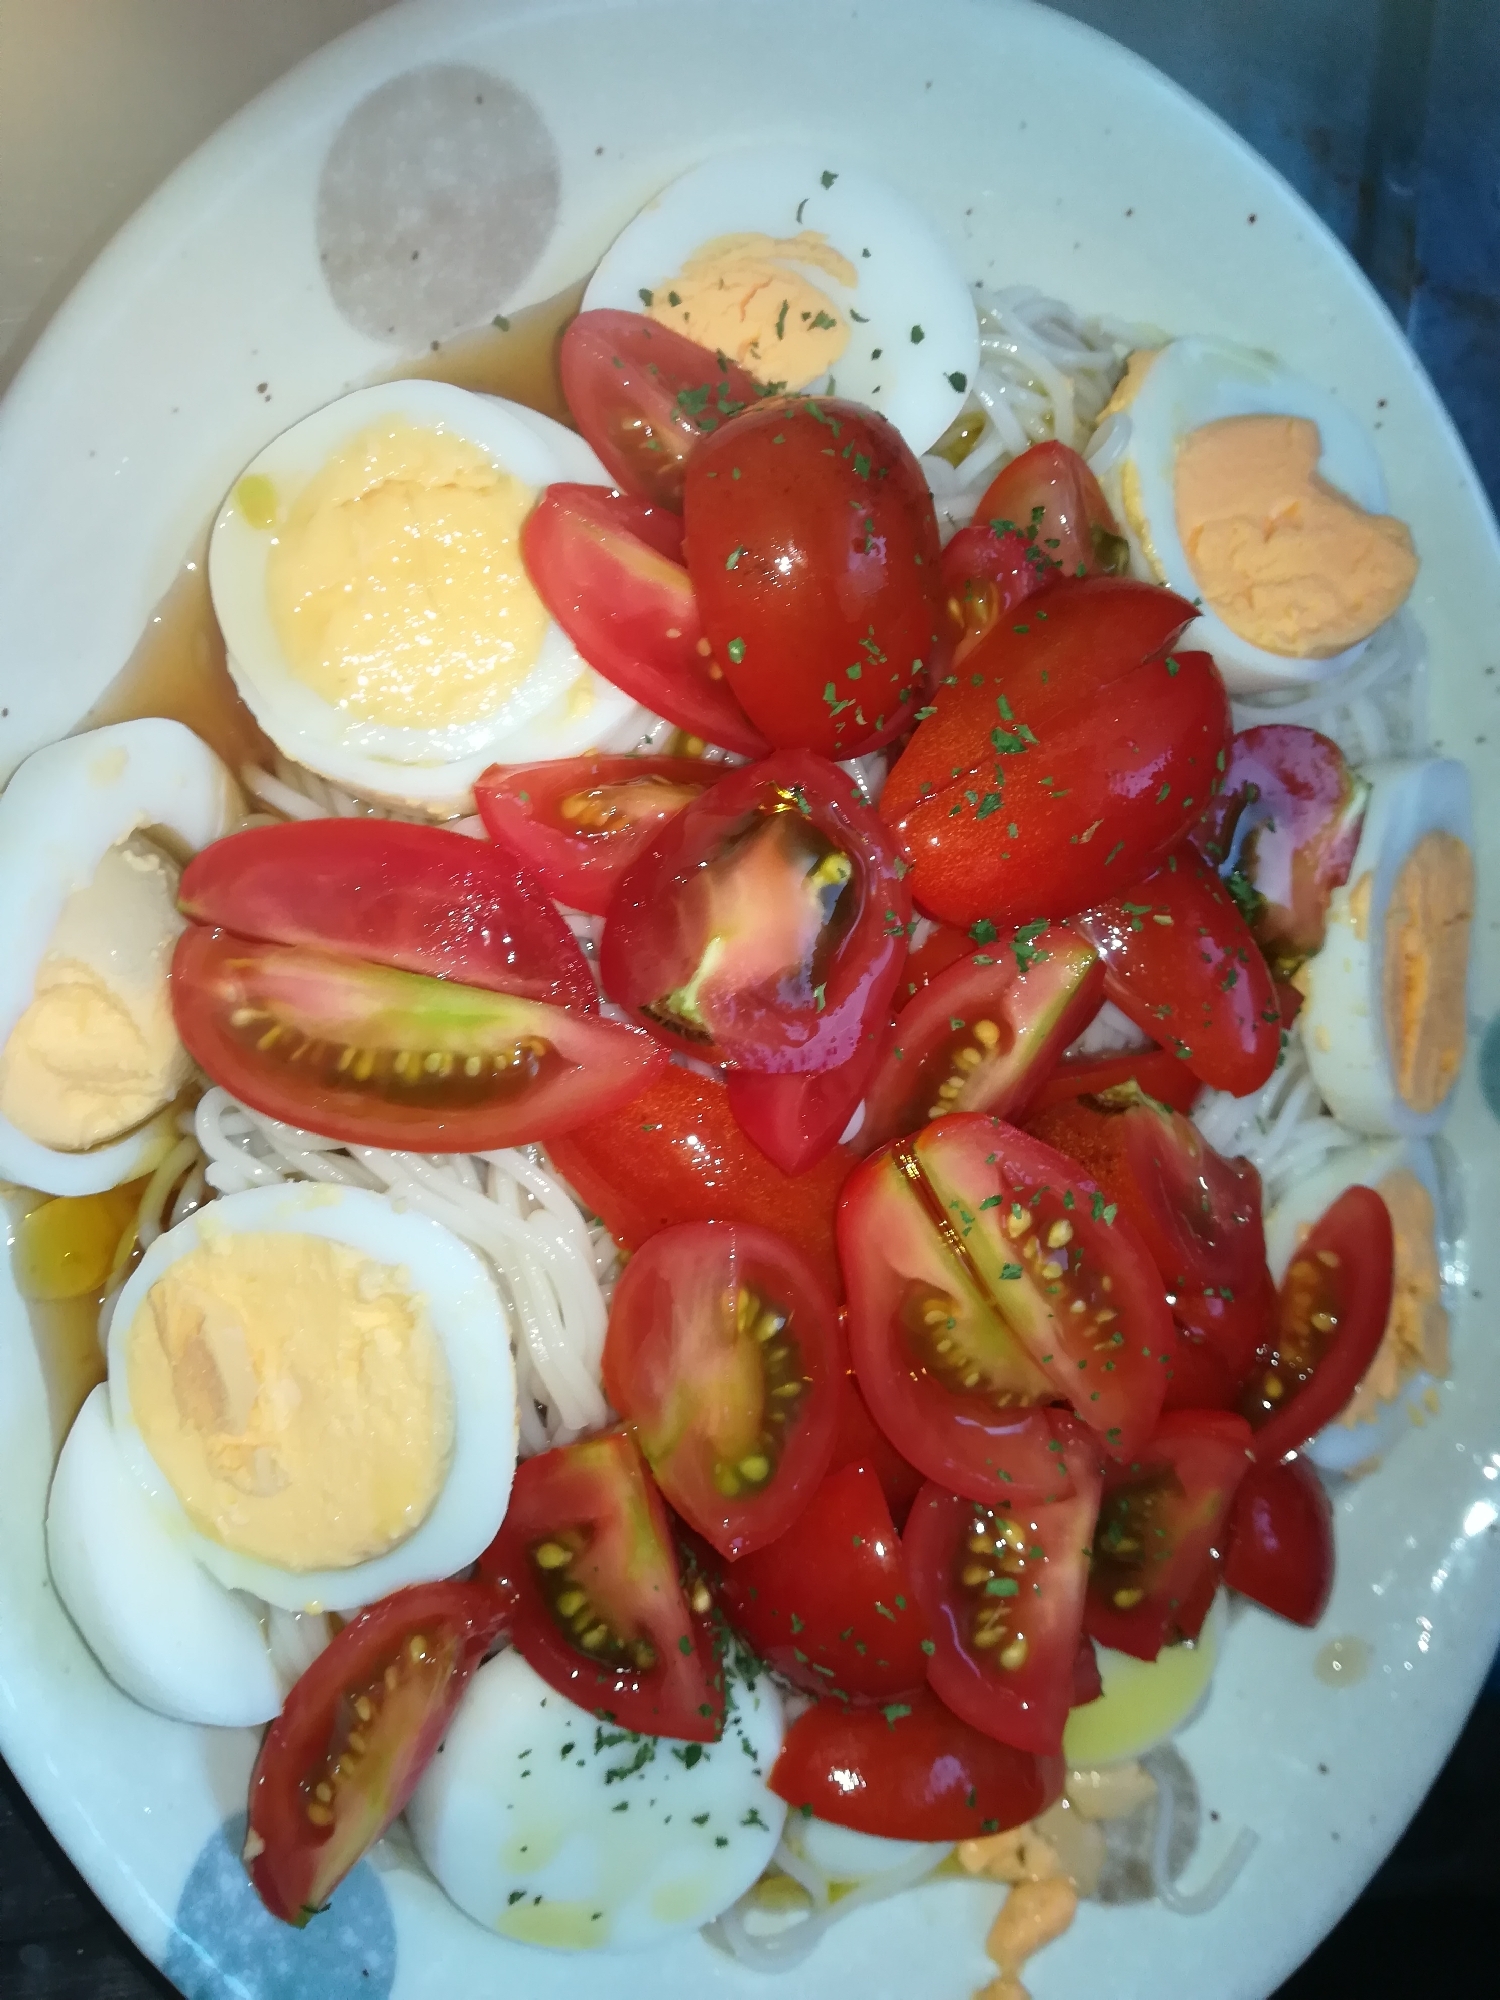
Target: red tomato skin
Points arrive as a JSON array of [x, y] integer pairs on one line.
[[594, 559], [675, 1154], [910, 1771], [298, 1864], [217, 978], [1280, 1550], [421, 898], [645, 396], [1087, 1683], [1156, 1071], [859, 1440], [943, 946], [602, 1485], [816, 571], [650, 1364], [520, 805], [797, 1120], [830, 1604], [654, 935], [1026, 1706], [1179, 959]]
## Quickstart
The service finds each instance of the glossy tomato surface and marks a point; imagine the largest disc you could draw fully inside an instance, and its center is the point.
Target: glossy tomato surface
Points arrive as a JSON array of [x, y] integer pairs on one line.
[[830, 1605], [859, 1440], [377, 1057], [358, 1729], [765, 925], [723, 1355], [797, 1120], [1157, 1072], [585, 1554], [910, 1770], [579, 822], [1280, 1549], [421, 898], [645, 396], [813, 550]]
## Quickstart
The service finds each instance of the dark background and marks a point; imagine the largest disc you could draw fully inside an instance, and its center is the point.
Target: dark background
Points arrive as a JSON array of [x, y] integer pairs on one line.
[[1385, 115]]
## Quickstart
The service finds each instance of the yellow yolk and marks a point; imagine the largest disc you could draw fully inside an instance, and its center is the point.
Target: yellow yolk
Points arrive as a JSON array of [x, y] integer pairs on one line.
[[1426, 960], [1286, 560], [1416, 1333], [96, 1051], [751, 298], [295, 1397], [1137, 367], [396, 585]]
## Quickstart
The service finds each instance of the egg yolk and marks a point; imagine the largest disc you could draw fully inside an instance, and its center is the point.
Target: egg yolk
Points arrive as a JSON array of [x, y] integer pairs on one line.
[[751, 298], [1416, 1333], [1286, 560], [1426, 963], [294, 1395], [396, 586]]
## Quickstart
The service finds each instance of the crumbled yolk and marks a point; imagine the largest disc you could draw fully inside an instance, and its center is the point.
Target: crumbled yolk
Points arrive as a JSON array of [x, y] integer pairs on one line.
[[1426, 962], [751, 297]]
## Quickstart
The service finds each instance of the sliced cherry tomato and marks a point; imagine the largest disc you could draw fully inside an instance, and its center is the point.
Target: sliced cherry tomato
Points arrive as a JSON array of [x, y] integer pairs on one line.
[[910, 1771], [1334, 1304], [1218, 1333], [859, 1440], [1156, 1072], [964, 1252], [378, 1057], [766, 924], [1284, 830], [676, 1154], [1159, 1540], [596, 562], [984, 1034], [579, 822], [830, 1604], [1281, 1540], [1003, 1588], [796, 1120], [1088, 1685], [1180, 961], [585, 1553], [723, 1354], [813, 550], [421, 898], [645, 396], [943, 946], [1070, 751], [358, 1729]]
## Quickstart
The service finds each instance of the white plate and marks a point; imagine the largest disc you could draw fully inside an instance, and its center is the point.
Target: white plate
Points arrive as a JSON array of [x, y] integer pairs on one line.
[[1045, 155]]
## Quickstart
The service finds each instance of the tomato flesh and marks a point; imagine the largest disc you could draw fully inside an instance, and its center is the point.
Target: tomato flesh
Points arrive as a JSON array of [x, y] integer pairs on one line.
[[585, 1554], [797, 1120], [859, 1440], [723, 1355], [378, 1057], [1155, 1071], [1281, 1540], [355, 1734], [910, 1771]]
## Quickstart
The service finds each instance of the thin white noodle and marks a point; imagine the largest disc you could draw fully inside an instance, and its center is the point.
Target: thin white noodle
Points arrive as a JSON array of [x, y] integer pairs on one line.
[[778, 1951], [1193, 1902]]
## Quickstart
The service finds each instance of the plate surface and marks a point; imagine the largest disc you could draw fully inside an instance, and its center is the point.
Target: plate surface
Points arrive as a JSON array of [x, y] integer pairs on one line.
[[261, 281]]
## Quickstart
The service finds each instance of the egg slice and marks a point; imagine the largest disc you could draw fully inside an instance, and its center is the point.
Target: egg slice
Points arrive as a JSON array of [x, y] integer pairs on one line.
[[1230, 514], [315, 1392], [160, 1626], [844, 1855], [554, 1828], [378, 619], [1384, 1017], [1144, 1701], [812, 275], [1413, 1355], [89, 1055]]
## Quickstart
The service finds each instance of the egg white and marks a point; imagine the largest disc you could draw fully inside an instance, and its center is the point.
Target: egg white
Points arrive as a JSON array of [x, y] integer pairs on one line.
[[1342, 1020], [907, 280], [469, 1322], [562, 707], [1196, 381], [63, 810], [844, 1855], [577, 1858]]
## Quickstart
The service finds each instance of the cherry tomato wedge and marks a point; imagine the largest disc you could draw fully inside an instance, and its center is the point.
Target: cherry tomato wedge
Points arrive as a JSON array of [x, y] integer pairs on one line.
[[676, 1154], [910, 1771], [1160, 1535], [585, 1553], [813, 550], [358, 1729], [378, 1057], [1180, 961], [596, 561], [1280, 1549], [984, 1034], [1068, 752], [723, 1355], [1334, 1304], [796, 1120], [830, 1604], [1003, 1588], [860, 1441], [421, 898], [941, 947], [1155, 1071], [645, 396], [765, 925], [579, 822]]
